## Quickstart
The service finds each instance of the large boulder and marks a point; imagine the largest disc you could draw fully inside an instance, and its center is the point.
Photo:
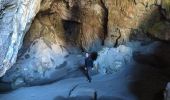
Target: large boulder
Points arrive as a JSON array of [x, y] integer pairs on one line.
[[15, 18], [112, 60], [42, 63]]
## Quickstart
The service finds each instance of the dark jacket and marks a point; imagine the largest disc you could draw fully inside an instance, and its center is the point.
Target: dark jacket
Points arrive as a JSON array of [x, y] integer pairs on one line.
[[89, 62]]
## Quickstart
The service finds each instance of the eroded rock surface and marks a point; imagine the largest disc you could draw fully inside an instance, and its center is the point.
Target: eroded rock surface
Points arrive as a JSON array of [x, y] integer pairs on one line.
[[112, 60], [15, 18]]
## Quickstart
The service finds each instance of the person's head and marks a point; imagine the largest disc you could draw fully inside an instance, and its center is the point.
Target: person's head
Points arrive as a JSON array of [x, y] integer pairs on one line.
[[87, 54], [94, 55]]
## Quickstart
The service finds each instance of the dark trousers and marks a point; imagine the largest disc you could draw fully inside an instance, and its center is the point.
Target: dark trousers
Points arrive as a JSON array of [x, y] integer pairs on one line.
[[87, 74]]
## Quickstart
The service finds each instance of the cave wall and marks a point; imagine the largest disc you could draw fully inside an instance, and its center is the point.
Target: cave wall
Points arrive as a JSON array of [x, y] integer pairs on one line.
[[15, 18], [90, 24], [79, 22], [87, 24]]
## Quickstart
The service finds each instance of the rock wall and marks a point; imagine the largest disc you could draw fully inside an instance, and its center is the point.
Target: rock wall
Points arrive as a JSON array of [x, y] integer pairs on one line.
[[109, 22], [90, 24], [15, 18]]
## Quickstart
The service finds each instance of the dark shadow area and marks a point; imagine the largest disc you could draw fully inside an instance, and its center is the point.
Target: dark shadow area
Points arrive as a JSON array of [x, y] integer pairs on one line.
[[151, 74], [105, 24], [75, 27], [72, 26], [71, 30], [152, 70], [5, 87]]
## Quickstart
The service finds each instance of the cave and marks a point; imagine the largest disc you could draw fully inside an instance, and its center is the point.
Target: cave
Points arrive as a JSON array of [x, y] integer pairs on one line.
[[84, 49]]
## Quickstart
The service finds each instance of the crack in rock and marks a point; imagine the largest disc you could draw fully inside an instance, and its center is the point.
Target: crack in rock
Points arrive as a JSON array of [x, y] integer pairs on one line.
[[70, 92], [95, 95]]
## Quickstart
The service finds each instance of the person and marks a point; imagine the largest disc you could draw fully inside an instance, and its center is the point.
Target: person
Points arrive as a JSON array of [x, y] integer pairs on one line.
[[90, 58]]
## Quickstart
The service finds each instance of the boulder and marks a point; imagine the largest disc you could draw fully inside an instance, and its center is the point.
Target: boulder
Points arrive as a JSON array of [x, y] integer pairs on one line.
[[42, 63], [15, 18], [111, 60]]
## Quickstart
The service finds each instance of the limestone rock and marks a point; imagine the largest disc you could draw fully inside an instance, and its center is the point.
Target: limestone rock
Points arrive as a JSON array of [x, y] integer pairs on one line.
[[111, 60], [73, 20], [42, 63], [125, 16], [89, 24], [15, 19]]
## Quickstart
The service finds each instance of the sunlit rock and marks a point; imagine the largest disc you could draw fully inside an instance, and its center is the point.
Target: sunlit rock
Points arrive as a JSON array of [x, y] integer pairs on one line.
[[15, 19], [42, 63], [129, 19], [111, 60]]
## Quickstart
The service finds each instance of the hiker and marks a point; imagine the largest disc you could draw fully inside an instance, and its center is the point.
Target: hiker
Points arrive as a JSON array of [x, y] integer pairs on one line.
[[90, 58]]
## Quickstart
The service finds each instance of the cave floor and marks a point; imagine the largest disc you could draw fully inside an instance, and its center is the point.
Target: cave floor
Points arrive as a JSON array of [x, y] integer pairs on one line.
[[144, 79], [135, 82]]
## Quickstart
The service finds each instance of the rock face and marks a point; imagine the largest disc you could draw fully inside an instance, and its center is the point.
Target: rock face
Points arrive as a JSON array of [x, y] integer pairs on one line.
[[15, 18], [72, 20], [130, 19]]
